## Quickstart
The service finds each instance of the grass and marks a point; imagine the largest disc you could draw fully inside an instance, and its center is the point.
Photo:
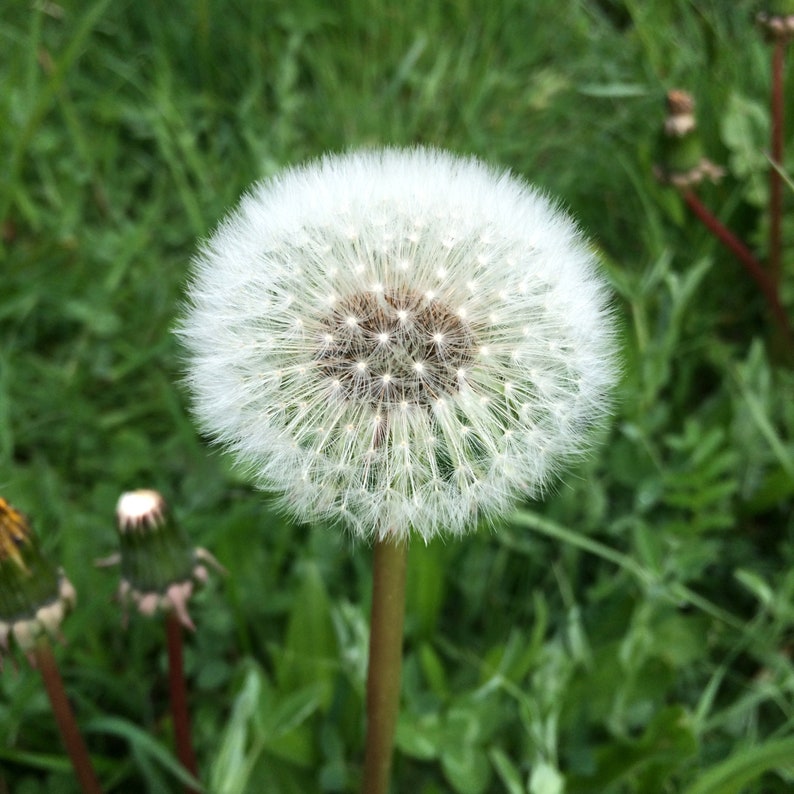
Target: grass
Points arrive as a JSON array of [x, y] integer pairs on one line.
[[631, 634]]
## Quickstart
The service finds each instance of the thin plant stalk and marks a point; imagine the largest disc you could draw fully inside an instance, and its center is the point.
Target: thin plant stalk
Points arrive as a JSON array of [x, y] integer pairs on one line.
[[745, 256], [70, 733], [775, 180], [178, 690], [385, 662]]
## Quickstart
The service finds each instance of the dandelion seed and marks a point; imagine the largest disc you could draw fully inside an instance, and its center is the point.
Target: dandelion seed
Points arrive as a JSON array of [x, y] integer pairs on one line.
[[486, 350]]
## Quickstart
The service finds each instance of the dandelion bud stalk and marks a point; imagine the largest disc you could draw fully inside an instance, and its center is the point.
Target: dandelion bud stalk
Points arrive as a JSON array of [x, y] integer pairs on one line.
[[35, 597], [777, 23], [775, 178], [62, 711], [178, 689], [159, 573]]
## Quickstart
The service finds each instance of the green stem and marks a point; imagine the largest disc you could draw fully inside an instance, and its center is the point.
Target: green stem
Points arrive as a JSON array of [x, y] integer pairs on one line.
[[385, 662], [70, 733], [178, 689]]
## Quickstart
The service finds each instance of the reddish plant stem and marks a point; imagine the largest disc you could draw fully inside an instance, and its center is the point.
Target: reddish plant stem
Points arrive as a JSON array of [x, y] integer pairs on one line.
[[775, 180], [178, 690], [745, 256], [385, 662], [70, 733]]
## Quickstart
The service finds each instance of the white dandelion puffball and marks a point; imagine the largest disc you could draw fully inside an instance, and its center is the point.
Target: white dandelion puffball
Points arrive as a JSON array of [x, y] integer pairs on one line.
[[400, 340]]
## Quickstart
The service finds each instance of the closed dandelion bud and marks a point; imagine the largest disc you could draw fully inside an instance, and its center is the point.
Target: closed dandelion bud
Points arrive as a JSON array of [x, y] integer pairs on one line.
[[399, 341], [681, 161], [35, 597], [680, 120], [777, 21], [159, 568]]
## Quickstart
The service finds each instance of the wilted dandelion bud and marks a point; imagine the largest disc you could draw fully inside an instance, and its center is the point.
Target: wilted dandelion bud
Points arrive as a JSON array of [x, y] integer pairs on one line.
[[159, 568], [399, 340], [34, 596], [680, 120], [682, 163], [777, 21]]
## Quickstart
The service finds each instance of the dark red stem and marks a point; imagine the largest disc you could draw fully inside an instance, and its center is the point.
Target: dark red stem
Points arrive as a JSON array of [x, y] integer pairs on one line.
[[775, 180], [70, 733], [745, 256], [179, 712]]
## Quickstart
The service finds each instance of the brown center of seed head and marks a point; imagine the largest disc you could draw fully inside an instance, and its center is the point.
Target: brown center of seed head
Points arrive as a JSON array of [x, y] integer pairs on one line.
[[393, 348]]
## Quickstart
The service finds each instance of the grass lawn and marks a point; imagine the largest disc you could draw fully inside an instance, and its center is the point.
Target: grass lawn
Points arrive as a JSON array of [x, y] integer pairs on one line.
[[632, 634]]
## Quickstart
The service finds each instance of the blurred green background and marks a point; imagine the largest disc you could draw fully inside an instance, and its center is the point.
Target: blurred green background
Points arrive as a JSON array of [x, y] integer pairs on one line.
[[631, 634]]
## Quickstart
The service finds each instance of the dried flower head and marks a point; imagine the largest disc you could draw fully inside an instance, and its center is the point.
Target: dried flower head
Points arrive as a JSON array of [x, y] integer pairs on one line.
[[398, 340], [682, 163], [35, 597], [777, 21], [159, 568], [680, 113]]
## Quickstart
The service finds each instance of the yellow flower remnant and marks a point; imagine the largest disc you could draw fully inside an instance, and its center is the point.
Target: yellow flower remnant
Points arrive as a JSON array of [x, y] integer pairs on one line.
[[14, 533]]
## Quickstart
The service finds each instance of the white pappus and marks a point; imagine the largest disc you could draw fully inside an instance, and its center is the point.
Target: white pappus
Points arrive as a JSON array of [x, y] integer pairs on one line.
[[399, 340]]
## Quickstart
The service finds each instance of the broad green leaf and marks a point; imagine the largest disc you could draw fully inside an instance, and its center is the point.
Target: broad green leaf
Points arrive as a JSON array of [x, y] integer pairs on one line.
[[433, 670], [546, 779], [230, 759], [513, 659], [310, 647], [425, 586], [745, 130], [262, 725], [419, 737], [668, 743], [466, 768]]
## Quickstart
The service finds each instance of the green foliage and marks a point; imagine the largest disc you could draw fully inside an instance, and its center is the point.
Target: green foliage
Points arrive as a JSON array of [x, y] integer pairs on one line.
[[730, 776], [745, 131], [632, 634], [266, 744]]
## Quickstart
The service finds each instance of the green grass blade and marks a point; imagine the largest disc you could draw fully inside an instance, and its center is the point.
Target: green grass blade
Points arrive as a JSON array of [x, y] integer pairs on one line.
[[145, 745], [731, 775]]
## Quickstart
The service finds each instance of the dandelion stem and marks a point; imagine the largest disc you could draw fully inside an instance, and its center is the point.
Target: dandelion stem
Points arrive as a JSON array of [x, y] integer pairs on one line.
[[385, 662], [775, 180], [178, 689], [745, 256], [70, 733]]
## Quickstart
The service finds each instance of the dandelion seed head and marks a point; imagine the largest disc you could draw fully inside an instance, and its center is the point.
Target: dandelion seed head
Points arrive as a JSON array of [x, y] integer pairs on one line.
[[400, 340]]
